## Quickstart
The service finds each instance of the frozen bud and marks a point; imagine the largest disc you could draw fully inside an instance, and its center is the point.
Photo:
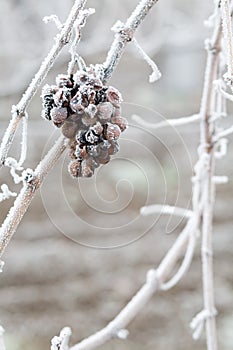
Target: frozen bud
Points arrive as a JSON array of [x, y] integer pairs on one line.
[[114, 148], [75, 168], [86, 169], [91, 110], [105, 111], [91, 137], [76, 103], [112, 132], [114, 96], [121, 122], [69, 129], [63, 80], [97, 128], [58, 115]]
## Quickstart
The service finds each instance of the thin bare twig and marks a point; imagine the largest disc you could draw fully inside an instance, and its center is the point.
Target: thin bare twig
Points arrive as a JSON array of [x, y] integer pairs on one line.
[[165, 209], [223, 133], [61, 40], [124, 36], [227, 31], [224, 93], [207, 152], [154, 279], [62, 341], [169, 122], [27, 193]]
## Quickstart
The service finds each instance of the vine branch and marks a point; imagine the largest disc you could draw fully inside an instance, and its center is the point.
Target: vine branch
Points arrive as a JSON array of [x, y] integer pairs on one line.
[[154, 282], [125, 35], [19, 110], [207, 153], [27, 193]]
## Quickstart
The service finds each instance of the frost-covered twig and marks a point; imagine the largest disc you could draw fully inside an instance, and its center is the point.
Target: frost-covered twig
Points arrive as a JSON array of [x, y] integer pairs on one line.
[[156, 74], [125, 35], [80, 22], [12, 163], [221, 147], [61, 342], [225, 94], [55, 19], [191, 228], [6, 193], [198, 322], [220, 180], [61, 40], [223, 133], [23, 152], [169, 122], [207, 184], [26, 194], [165, 209], [154, 279], [227, 33]]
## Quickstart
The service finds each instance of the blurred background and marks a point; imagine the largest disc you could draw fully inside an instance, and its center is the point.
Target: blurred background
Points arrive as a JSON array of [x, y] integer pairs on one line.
[[82, 249]]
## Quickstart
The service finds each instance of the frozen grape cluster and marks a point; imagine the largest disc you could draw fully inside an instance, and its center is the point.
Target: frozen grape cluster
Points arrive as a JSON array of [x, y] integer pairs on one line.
[[89, 115]]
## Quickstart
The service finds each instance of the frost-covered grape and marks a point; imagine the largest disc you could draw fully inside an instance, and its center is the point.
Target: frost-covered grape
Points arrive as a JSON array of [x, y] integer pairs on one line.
[[89, 115]]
